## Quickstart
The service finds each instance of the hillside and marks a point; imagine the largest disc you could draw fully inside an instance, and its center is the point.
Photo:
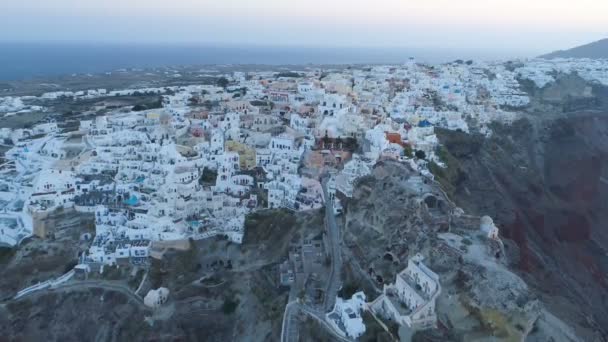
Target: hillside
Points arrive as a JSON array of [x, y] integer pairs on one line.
[[542, 180], [596, 50]]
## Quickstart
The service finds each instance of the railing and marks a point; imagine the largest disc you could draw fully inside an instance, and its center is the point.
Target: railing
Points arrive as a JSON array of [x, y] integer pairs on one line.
[[49, 283], [27, 290]]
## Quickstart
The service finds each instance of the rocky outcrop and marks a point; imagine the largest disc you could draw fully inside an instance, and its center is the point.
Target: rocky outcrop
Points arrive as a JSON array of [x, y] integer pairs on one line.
[[545, 181], [395, 214]]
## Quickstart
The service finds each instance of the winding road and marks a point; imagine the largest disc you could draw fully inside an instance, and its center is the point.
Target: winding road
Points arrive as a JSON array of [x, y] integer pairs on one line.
[[289, 329], [85, 285], [335, 242]]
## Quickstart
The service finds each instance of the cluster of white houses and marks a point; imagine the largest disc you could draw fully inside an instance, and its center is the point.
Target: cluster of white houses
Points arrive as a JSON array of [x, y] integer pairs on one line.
[[196, 167], [410, 301]]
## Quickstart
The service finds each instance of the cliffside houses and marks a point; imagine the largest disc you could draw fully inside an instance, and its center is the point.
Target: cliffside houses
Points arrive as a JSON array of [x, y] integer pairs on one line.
[[210, 155], [411, 299], [355, 168]]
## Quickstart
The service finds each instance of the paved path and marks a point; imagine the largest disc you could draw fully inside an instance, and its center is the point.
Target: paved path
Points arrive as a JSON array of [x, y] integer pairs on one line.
[[335, 241], [86, 285], [289, 329]]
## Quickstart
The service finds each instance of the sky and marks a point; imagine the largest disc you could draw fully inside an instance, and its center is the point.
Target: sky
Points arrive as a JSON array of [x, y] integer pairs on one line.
[[516, 26]]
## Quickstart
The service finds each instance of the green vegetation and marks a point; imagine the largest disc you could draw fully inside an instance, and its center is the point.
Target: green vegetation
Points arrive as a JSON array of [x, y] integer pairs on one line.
[[242, 90], [229, 306], [450, 176], [407, 151], [148, 105], [223, 82], [456, 146], [289, 74], [420, 154], [6, 254], [348, 290], [208, 177], [208, 104], [258, 103]]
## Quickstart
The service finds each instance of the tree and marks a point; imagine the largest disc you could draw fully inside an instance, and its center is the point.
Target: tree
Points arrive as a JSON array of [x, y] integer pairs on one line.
[[139, 108], [407, 151], [301, 295], [420, 154], [193, 101], [229, 306], [348, 290], [223, 82], [325, 140]]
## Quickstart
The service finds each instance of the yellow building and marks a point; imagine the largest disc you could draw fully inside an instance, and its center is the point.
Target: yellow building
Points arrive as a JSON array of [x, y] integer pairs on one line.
[[153, 116], [246, 154]]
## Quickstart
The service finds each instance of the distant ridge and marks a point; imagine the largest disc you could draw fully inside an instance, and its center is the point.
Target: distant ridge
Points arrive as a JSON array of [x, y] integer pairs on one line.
[[595, 50]]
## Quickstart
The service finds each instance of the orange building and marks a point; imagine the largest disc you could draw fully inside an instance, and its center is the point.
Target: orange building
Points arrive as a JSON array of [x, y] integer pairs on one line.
[[394, 138]]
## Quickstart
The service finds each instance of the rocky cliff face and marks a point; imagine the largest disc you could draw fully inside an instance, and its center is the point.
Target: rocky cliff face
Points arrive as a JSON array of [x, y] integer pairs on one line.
[[545, 180], [395, 214]]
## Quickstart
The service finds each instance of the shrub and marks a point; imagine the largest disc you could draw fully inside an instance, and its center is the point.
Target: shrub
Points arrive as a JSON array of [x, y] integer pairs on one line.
[[223, 82], [229, 306], [420, 154]]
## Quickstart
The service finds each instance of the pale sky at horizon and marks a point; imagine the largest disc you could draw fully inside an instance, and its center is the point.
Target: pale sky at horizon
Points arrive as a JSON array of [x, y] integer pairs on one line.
[[525, 26]]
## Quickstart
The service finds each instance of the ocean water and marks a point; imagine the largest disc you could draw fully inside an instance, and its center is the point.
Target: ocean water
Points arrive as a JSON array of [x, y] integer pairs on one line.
[[29, 60]]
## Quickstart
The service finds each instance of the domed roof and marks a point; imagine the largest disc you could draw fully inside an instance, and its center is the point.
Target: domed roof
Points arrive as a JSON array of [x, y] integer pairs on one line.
[[486, 220]]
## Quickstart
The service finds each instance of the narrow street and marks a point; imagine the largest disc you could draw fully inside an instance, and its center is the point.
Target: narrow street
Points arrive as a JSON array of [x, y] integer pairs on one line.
[[90, 284], [333, 233], [289, 330]]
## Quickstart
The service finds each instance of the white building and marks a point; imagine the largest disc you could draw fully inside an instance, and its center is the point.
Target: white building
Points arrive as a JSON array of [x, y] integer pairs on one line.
[[155, 298], [354, 169], [487, 226], [346, 315], [411, 299]]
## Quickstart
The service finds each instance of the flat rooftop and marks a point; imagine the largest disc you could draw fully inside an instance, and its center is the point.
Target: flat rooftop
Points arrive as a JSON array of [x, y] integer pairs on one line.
[[401, 308]]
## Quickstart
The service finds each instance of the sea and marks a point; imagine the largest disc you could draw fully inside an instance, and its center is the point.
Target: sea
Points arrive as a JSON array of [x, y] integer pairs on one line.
[[20, 61]]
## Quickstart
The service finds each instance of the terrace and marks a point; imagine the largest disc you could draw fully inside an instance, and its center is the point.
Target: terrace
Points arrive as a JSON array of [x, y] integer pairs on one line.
[[413, 285], [393, 298]]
